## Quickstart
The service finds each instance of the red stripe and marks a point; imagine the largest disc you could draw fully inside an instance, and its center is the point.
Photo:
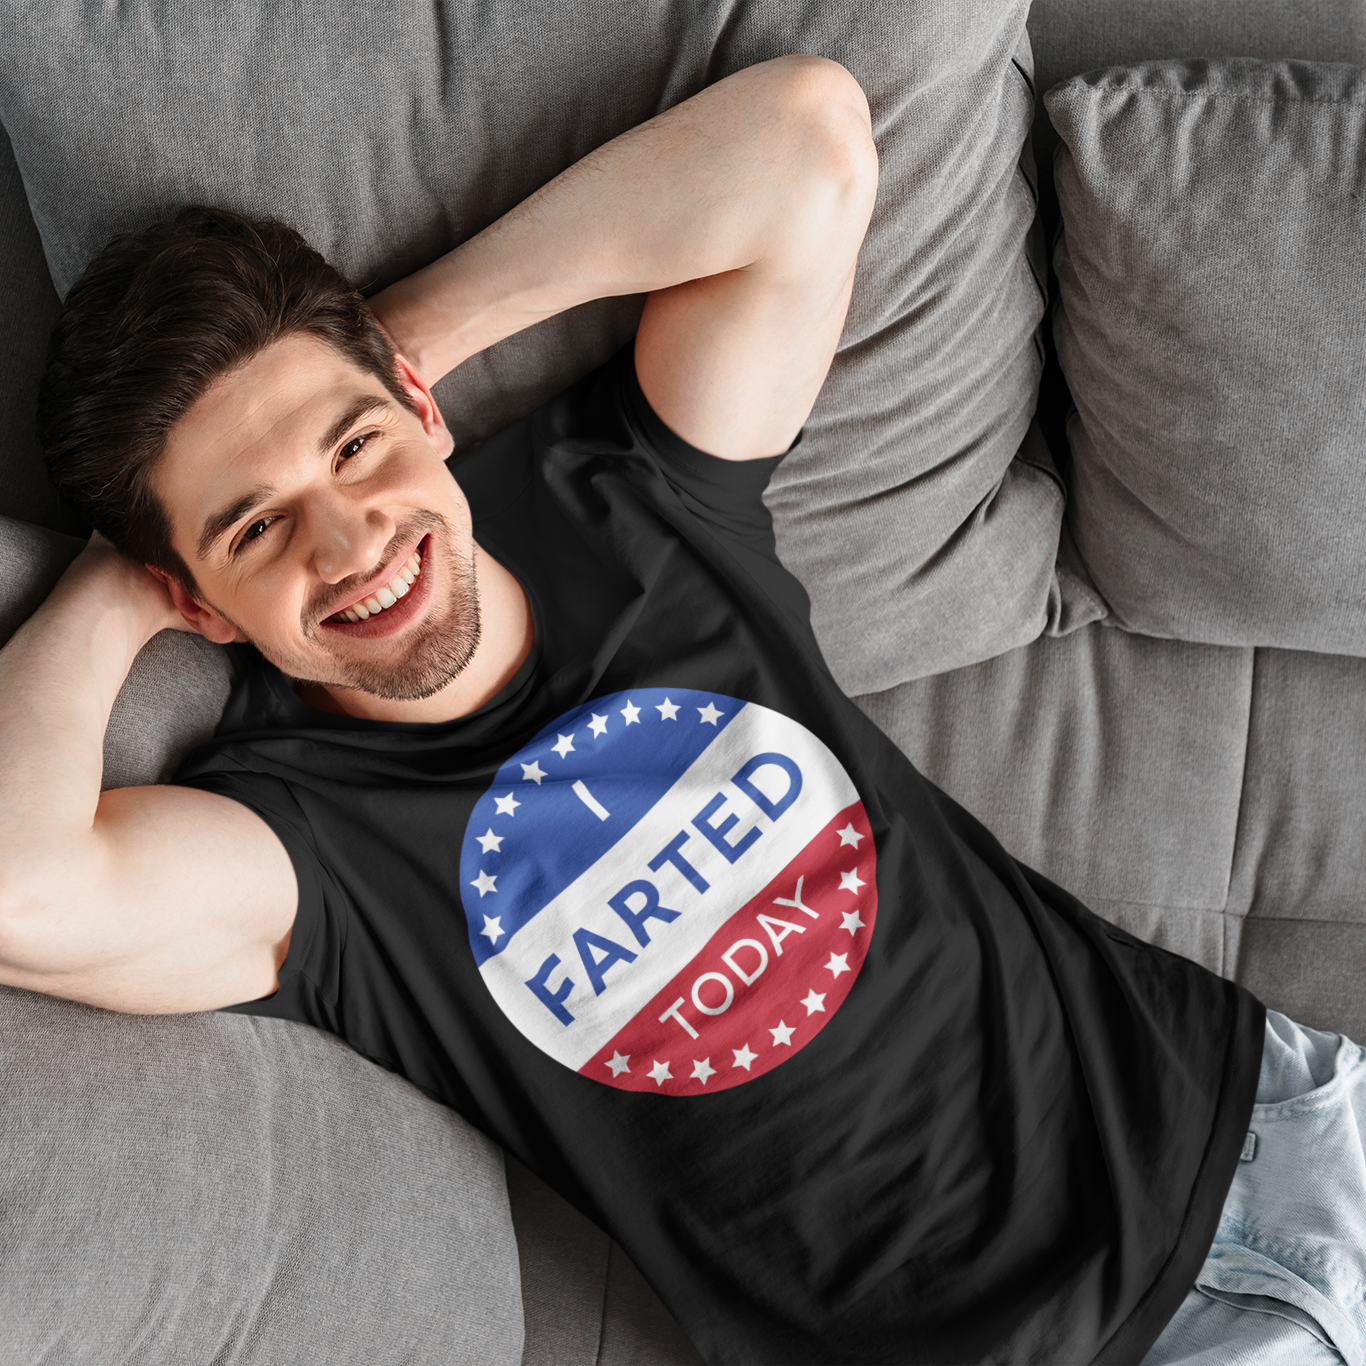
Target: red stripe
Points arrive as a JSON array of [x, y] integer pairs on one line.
[[809, 962]]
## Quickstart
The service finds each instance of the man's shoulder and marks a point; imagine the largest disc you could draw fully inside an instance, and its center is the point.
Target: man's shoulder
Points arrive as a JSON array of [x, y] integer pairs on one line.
[[603, 426], [589, 487], [583, 424]]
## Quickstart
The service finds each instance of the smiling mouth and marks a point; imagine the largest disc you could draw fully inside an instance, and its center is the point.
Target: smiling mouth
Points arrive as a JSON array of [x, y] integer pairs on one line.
[[385, 596]]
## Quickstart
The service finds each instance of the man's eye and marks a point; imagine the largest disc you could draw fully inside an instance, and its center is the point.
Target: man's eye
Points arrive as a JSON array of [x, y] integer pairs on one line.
[[257, 528], [353, 446]]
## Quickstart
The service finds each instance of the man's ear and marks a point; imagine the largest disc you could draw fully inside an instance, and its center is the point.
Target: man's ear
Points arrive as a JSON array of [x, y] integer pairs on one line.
[[202, 619], [432, 421]]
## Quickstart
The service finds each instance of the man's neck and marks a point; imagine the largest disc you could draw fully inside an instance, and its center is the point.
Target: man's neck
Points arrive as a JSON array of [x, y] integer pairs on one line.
[[507, 631]]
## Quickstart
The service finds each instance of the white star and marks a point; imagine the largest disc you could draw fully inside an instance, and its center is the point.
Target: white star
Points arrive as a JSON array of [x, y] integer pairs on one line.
[[489, 842], [710, 715], [814, 1001], [783, 1034], [850, 881], [533, 772], [598, 725], [703, 1071], [853, 922], [743, 1057], [668, 711], [631, 713], [660, 1073], [507, 806], [563, 744], [839, 962], [485, 883], [493, 927], [619, 1064], [849, 835]]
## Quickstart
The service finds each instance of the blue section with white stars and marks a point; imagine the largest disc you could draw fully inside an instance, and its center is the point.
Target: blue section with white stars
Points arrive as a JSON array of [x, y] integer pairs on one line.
[[563, 800]]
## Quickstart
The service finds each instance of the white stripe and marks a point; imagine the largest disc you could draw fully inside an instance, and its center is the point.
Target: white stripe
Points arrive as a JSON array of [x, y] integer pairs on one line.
[[826, 790], [589, 800]]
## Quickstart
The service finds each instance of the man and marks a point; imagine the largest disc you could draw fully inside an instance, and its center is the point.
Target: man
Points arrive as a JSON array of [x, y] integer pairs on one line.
[[541, 794]]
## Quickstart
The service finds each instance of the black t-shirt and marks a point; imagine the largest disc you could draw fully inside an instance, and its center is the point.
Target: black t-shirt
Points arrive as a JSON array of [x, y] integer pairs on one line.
[[673, 922]]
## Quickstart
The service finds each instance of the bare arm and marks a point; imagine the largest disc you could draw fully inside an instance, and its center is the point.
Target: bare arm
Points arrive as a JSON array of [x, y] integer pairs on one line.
[[148, 899], [740, 212]]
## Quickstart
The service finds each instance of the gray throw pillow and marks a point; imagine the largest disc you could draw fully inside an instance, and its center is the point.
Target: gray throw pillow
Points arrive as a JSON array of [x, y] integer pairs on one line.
[[387, 134], [217, 1188], [1212, 327], [174, 693]]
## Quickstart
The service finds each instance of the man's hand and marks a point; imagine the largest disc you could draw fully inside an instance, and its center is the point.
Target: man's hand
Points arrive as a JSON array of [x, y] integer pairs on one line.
[[740, 212], [100, 569]]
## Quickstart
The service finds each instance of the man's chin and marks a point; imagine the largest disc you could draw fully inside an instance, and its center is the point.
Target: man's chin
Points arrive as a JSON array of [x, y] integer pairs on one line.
[[396, 687], [432, 663], [410, 666]]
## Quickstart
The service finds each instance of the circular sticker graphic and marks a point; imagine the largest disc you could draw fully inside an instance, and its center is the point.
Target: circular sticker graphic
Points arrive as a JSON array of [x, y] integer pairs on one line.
[[670, 891]]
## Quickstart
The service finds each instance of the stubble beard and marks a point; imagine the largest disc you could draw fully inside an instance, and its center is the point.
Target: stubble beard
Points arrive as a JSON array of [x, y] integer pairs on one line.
[[432, 655]]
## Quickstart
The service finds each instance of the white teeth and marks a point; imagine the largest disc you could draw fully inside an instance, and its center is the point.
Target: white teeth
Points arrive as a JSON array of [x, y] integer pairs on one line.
[[387, 596]]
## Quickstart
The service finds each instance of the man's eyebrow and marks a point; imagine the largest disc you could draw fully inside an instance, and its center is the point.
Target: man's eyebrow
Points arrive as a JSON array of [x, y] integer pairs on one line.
[[358, 408], [225, 517], [216, 525]]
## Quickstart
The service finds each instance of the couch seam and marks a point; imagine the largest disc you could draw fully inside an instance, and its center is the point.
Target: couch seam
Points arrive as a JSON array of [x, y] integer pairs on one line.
[[1226, 968], [606, 1292], [1162, 93], [1156, 905], [1299, 920], [1024, 75]]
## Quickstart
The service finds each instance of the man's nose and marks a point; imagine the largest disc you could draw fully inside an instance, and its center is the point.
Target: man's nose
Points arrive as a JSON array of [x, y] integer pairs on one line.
[[349, 540]]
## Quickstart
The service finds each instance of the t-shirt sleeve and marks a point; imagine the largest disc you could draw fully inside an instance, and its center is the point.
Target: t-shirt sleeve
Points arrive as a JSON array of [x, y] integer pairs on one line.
[[727, 493], [310, 975]]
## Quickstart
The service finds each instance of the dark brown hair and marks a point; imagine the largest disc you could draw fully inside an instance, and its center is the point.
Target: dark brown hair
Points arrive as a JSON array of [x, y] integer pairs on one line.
[[154, 320]]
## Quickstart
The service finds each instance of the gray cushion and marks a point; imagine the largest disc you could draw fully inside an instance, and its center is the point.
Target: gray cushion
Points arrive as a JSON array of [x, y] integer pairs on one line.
[[1110, 762], [585, 1303], [636, 1327], [387, 134], [197, 1188], [1302, 850], [1310, 970], [1212, 328], [1300, 860], [1207, 798], [563, 1271], [174, 693], [1072, 36]]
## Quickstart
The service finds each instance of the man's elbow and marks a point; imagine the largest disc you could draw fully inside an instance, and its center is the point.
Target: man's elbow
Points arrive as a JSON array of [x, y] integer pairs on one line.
[[20, 912], [31, 926], [832, 112], [827, 118]]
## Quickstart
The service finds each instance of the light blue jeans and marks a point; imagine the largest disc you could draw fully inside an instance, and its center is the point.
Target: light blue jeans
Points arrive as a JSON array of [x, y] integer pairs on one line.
[[1285, 1281]]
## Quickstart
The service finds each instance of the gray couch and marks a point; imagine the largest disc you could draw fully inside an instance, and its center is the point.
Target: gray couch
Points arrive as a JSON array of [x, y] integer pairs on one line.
[[226, 1189]]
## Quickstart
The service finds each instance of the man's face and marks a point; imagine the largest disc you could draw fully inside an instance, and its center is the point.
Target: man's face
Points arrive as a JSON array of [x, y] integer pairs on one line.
[[304, 497]]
